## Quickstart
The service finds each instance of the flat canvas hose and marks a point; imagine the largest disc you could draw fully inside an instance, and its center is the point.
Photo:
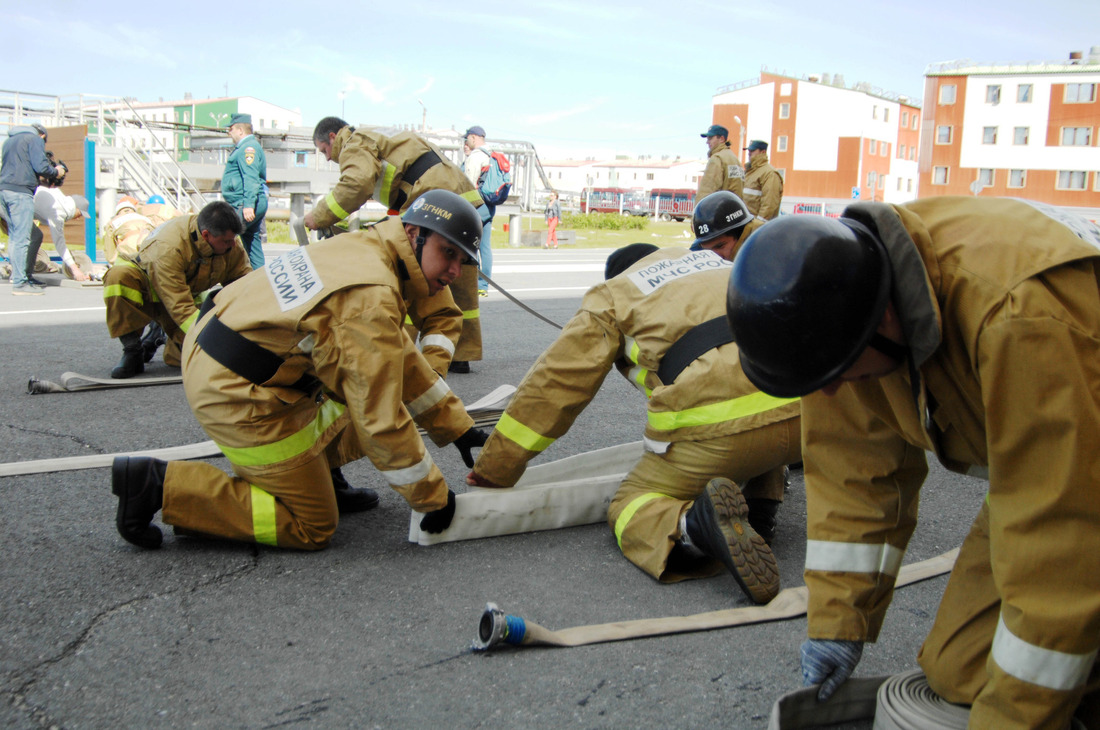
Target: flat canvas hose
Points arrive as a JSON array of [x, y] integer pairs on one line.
[[496, 627], [486, 411], [521, 305], [75, 382]]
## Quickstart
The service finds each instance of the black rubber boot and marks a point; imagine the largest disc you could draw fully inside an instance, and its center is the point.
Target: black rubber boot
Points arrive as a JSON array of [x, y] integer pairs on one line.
[[348, 499], [138, 482], [151, 341], [717, 525], [459, 366], [762, 517], [133, 359]]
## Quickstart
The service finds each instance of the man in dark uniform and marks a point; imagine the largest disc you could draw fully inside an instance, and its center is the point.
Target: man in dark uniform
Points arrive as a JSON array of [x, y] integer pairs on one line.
[[244, 184]]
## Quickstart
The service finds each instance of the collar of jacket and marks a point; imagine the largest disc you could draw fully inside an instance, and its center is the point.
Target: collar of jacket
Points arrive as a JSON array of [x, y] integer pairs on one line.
[[758, 161], [244, 140], [913, 294], [339, 141], [716, 150], [205, 250]]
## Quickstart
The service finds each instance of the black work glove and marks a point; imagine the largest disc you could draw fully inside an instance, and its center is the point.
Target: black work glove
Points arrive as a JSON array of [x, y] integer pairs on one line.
[[472, 439], [440, 519]]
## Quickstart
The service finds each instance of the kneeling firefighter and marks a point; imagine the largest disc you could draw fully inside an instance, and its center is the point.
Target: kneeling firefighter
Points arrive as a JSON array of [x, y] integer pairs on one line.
[[298, 368]]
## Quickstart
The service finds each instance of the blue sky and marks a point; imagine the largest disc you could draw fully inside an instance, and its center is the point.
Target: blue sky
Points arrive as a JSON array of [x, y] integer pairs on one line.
[[581, 77]]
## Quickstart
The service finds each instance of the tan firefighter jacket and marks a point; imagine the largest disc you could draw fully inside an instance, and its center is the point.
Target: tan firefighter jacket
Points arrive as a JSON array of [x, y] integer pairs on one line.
[[332, 311], [179, 265], [629, 322], [124, 233], [723, 172], [435, 316], [763, 188], [1000, 305], [159, 212], [374, 166]]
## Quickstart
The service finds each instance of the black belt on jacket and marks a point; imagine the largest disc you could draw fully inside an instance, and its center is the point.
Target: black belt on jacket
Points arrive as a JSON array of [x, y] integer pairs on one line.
[[421, 165], [692, 344], [241, 355]]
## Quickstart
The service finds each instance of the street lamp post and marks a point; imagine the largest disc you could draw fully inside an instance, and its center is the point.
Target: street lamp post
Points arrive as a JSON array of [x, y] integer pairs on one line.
[[424, 116]]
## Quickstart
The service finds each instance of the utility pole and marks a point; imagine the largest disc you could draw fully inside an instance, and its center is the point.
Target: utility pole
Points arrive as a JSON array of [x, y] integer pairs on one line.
[[424, 116]]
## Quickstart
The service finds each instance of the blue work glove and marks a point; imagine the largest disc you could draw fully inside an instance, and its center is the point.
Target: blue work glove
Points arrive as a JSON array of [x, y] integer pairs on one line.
[[440, 519], [472, 439], [829, 663]]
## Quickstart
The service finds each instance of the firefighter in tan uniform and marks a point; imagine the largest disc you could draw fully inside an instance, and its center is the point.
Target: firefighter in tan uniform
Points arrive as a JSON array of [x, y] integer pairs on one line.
[[763, 183], [158, 210], [723, 170], [970, 328], [297, 369], [126, 230], [174, 265], [722, 222], [706, 424], [395, 171]]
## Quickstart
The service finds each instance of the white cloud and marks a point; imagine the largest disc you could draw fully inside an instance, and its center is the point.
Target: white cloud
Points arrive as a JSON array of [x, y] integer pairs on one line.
[[559, 114]]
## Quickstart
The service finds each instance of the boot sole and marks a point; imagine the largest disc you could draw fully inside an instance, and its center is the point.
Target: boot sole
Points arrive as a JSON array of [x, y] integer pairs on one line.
[[745, 554], [149, 538]]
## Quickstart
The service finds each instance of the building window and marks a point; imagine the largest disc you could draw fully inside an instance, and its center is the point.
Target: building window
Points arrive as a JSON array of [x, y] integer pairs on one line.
[[1076, 136], [909, 185], [1080, 93], [785, 89], [947, 94], [649, 176], [915, 121], [784, 111], [1017, 178], [781, 143], [985, 177], [899, 184], [299, 159], [261, 123], [1023, 94], [872, 146], [1020, 135], [885, 149], [874, 112], [886, 114], [901, 152], [939, 175], [989, 135], [881, 182], [187, 117], [905, 119], [913, 152], [1072, 179], [993, 94], [872, 176], [943, 134], [782, 172]]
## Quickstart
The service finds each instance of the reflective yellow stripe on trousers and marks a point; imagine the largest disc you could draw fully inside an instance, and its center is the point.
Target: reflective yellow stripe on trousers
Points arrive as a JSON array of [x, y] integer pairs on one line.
[[628, 514], [263, 517], [289, 447], [727, 410], [117, 290]]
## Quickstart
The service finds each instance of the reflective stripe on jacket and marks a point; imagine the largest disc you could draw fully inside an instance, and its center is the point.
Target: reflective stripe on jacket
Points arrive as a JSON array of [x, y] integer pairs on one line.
[[629, 322]]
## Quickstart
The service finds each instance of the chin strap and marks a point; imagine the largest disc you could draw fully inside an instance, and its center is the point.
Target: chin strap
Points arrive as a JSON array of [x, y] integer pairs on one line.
[[421, 239], [889, 348]]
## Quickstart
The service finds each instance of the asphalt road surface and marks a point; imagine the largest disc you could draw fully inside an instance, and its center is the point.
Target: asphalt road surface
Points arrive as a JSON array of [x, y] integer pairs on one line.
[[374, 631]]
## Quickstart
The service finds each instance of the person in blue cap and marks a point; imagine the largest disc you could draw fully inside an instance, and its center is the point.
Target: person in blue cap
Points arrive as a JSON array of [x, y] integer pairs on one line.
[[244, 184], [723, 170]]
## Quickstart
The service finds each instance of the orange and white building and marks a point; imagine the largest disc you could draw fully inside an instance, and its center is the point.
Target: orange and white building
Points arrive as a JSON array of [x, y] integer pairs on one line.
[[831, 143], [1017, 130]]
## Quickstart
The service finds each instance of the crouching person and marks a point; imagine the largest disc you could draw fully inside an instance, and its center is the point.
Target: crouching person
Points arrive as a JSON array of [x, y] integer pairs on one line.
[[297, 369]]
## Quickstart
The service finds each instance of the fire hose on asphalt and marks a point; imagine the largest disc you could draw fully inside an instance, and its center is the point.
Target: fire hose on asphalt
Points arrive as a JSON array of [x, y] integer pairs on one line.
[[485, 411]]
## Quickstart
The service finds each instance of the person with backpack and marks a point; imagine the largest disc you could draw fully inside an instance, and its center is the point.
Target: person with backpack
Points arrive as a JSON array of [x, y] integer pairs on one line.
[[490, 174], [553, 215]]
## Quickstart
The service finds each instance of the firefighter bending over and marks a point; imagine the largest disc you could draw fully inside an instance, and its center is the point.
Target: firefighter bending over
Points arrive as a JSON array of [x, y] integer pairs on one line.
[[679, 514], [178, 261], [299, 368], [970, 328], [395, 171]]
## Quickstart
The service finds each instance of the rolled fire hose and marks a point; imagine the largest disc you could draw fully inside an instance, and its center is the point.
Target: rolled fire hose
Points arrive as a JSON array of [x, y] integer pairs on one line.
[[899, 702], [496, 627], [485, 411]]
